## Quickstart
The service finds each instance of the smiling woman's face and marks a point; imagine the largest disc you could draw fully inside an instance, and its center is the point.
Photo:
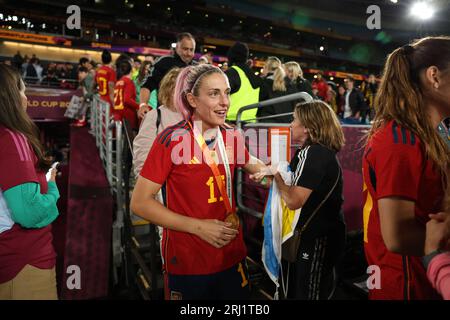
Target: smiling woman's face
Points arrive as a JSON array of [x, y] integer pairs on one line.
[[212, 102]]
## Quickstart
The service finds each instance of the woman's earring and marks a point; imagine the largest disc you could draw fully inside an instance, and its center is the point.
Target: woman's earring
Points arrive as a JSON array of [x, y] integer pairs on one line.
[[436, 85]]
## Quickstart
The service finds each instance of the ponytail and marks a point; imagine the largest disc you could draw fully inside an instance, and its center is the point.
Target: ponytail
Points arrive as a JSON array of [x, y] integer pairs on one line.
[[278, 79], [401, 97], [400, 90]]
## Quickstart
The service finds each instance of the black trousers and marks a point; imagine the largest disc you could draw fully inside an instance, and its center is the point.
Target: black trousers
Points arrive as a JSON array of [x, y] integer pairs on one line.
[[312, 276]]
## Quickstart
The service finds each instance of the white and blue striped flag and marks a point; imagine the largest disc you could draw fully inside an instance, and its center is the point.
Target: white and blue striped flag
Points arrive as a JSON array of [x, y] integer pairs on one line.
[[279, 225]]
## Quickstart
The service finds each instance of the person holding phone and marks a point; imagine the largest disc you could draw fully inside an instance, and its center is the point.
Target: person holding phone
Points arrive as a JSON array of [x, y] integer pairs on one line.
[[27, 255]]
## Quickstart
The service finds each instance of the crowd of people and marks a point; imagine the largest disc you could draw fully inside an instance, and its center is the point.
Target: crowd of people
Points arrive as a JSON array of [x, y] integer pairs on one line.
[[33, 71], [313, 132], [353, 105], [176, 101]]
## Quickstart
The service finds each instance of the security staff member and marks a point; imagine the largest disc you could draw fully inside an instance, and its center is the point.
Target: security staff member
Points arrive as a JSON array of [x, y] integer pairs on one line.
[[246, 87]]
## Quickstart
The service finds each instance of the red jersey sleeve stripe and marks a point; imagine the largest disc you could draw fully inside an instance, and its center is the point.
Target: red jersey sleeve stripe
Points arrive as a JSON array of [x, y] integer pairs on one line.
[[167, 133], [18, 145], [403, 135], [394, 132], [26, 147], [413, 138]]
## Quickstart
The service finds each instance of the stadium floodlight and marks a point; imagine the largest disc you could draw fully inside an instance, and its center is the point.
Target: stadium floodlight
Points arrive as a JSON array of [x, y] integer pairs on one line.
[[422, 10], [394, 1], [322, 48]]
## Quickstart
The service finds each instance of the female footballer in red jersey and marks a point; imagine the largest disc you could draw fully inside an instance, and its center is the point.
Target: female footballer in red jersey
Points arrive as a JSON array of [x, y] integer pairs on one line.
[[203, 248], [125, 105], [405, 166]]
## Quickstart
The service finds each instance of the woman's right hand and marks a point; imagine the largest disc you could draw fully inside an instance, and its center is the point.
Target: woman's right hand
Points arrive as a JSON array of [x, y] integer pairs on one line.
[[217, 233], [53, 173], [268, 171], [143, 109]]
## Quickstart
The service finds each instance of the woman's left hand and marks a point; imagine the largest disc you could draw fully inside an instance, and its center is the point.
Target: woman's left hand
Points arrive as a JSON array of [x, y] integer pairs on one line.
[[438, 232]]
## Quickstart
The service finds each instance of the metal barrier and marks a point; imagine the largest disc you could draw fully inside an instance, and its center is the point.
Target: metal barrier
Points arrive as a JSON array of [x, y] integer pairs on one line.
[[240, 124], [54, 83], [114, 141], [109, 140]]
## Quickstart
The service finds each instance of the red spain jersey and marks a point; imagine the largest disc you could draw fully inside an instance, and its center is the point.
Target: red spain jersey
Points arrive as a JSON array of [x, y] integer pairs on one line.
[[125, 105], [395, 165], [191, 190], [104, 75]]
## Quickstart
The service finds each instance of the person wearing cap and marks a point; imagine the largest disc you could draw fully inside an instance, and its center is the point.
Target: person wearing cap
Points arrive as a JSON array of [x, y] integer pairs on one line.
[[246, 87]]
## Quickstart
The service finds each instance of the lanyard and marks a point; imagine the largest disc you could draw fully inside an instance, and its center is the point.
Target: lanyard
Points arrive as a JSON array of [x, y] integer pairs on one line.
[[213, 166], [226, 164]]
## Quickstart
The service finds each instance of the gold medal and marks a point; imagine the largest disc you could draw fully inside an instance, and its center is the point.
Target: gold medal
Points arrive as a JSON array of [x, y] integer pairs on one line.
[[233, 219]]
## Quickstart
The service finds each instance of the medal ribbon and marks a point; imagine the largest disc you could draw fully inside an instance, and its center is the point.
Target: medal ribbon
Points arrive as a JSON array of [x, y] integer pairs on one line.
[[213, 166]]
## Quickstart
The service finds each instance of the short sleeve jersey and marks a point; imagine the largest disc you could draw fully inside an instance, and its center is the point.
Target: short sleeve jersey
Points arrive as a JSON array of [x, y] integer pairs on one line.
[[316, 167], [103, 76], [20, 246], [191, 190], [395, 165], [125, 104]]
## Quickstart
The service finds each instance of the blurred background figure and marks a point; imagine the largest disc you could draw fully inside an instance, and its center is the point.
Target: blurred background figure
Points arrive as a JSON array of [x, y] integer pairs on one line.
[[203, 60], [105, 79], [224, 66], [369, 90], [125, 105], [276, 84], [143, 73], [322, 86], [355, 107], [295, 75]]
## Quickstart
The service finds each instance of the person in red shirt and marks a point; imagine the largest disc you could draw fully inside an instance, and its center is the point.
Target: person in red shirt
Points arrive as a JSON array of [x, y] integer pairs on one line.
[[28, 201], [203, 247], [322, 87], [105, 78], [125, 105], [405, 167]]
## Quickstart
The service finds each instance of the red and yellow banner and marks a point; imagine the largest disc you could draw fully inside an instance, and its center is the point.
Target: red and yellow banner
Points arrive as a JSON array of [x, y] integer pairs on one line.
[[47, 103], [32, 37]]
